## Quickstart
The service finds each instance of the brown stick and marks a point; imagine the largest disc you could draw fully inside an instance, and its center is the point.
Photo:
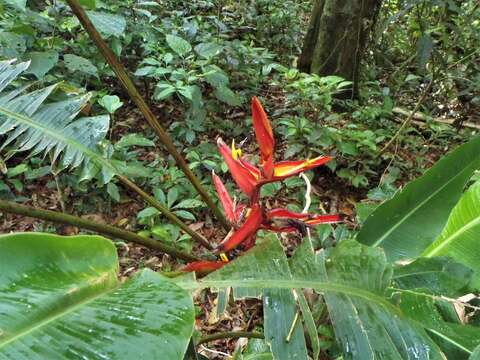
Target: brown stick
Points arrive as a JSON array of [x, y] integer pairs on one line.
[[129, 86], [424, 118], [58, 217]]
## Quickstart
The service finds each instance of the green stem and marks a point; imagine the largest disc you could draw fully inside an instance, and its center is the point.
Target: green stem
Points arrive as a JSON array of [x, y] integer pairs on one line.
[[129, 86], [230, 334], [57, 217]]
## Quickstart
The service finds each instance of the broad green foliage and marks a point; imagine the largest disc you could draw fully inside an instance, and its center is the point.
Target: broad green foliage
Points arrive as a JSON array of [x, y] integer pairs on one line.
[[405, 225], [461, 236], [60, 297], [354, 279], [438, 275]]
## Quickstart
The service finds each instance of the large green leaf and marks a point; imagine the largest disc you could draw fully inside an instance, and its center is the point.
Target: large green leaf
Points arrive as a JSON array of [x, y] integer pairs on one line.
[[424, 290], [439, 276], [405, 225], [460, 238], [354, 280], [60, 299], [457, 340]]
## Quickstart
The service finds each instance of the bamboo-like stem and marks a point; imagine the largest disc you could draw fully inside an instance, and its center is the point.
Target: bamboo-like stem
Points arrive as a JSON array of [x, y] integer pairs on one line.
[[58, 217], [230, 334], [409, 118], [129, 86], [168, 214]]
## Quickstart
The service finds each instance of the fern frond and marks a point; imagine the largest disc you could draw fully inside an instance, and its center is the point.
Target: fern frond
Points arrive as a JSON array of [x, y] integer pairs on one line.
[[31, 123]]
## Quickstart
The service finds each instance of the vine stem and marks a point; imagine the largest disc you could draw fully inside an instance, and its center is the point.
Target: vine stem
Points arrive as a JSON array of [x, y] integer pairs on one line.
[[58, 217], [410, 117], [230, 334], [134, 94]]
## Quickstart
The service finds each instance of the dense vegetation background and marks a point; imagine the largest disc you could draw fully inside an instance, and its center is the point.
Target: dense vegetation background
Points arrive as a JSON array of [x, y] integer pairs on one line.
[[385, 87]]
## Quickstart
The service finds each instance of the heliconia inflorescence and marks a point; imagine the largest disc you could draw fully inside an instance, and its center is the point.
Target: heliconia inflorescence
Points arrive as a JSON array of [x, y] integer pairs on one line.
[[247, 219]]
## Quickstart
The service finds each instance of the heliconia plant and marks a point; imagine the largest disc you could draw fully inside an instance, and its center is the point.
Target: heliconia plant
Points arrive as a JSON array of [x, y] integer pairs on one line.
[[246, 219]]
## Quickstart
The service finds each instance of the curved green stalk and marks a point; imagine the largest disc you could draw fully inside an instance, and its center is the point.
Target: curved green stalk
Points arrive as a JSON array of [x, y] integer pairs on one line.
[[57, 217]]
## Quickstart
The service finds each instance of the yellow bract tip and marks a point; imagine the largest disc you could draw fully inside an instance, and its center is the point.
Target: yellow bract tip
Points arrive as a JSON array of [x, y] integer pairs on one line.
[[224, 257], [236, 153]]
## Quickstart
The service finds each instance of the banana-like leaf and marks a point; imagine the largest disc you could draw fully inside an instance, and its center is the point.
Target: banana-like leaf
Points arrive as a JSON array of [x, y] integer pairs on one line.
[[456, 340], [422, 288], [409, 222], [460, 238], [476, 354], [60, 298], [354, 280], [38, 126], [439, 276]]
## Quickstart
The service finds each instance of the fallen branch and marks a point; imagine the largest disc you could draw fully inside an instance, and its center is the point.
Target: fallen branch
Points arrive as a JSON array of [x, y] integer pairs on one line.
[[58, 217], [425, 118]]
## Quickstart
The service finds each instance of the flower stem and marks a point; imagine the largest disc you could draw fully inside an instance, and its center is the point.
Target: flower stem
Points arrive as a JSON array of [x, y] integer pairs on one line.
[[58, 217]]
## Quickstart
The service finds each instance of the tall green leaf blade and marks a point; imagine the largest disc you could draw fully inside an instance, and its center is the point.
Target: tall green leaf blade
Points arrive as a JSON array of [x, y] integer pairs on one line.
[[476, 354], [305, 251], [282, 331], [364, 329], [405, 225], [279, 303], [460, 237], [60, 298]]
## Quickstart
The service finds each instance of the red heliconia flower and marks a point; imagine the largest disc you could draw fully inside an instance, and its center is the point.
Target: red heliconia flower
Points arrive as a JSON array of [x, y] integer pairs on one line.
[[250, 178], [246, 221], [248, 230], [274, 215]]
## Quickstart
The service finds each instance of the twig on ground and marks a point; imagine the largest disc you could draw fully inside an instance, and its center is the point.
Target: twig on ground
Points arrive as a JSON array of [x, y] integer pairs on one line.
[[230, 335]]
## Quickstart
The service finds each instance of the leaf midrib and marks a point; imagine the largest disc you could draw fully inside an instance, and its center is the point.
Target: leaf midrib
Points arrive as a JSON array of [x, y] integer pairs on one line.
[[28, 121], [448, 240], [421, 204], [291, 284]]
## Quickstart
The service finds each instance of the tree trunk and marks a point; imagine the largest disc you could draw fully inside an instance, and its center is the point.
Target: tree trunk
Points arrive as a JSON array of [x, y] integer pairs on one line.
[[336, 38]]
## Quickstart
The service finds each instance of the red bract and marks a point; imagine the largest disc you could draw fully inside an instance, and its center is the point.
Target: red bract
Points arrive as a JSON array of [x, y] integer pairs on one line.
[[279, 220], [250, 178], [203, 267], [247, 220]]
